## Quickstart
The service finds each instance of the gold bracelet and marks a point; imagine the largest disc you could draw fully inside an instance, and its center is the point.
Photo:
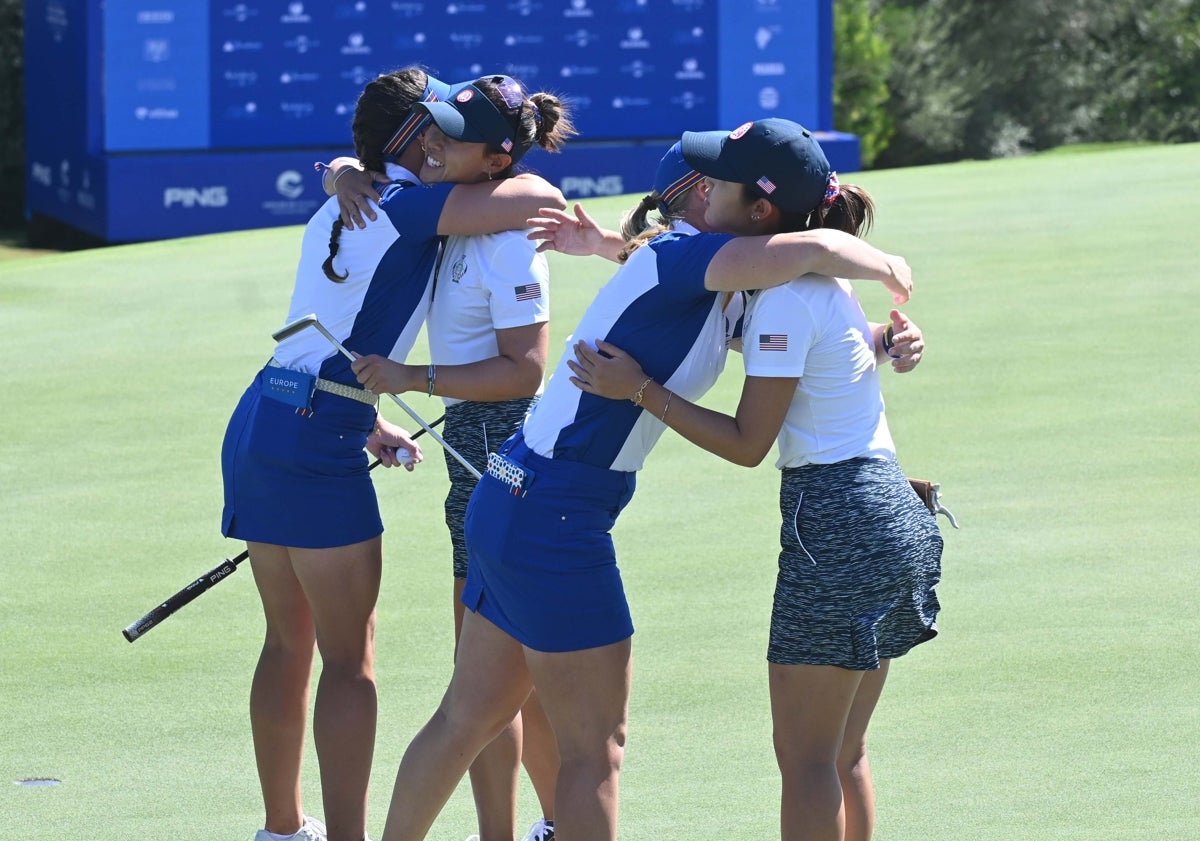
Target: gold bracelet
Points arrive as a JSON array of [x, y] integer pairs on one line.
[[667, 407], [641, 392]]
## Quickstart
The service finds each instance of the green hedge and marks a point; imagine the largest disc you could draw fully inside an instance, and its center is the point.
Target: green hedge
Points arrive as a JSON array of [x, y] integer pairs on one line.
[[12, 112]]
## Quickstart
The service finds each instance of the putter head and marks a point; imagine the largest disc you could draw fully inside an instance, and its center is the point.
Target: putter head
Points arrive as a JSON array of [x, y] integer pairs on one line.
[[288, 330]]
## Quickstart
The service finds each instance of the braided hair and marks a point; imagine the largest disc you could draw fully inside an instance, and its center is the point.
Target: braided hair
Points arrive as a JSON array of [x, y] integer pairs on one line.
[[382, 106]]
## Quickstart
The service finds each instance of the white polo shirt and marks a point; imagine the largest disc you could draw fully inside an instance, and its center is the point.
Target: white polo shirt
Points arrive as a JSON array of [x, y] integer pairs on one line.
[[484, 284], [814, 328]]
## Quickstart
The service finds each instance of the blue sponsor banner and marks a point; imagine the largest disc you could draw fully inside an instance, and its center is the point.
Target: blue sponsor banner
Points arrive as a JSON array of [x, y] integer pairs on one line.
[[772, 62], [182, 195], [180, 117], [156, 78]]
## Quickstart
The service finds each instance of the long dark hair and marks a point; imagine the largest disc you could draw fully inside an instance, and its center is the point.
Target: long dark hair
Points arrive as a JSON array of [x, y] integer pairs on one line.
[[382, 106]]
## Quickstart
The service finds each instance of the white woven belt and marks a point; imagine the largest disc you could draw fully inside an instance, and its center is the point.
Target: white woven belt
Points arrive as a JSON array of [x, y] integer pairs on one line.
[[340, 389]]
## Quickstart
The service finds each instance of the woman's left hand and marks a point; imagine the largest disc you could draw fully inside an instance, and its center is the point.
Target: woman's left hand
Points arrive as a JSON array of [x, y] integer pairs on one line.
[[393, 446], [606, 371], [908, 343]]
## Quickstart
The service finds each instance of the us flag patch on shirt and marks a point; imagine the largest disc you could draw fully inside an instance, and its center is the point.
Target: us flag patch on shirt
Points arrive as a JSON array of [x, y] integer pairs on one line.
[[528, 292], [772, 341]]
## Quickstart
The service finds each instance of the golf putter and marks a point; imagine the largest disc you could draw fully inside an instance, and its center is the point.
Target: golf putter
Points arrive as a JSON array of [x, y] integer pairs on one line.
[[310, 320]]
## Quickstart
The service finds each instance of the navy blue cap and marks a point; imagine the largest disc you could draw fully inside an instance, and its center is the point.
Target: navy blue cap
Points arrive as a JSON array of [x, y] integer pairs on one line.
[[469, 115], [673, 177], [780, 160]]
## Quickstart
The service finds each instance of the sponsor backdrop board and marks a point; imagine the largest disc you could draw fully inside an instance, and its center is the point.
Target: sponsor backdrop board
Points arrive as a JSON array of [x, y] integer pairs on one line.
[[152, 119]]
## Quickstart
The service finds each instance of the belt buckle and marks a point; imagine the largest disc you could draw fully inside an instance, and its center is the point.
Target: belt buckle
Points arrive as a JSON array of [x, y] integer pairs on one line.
[[518, 477]]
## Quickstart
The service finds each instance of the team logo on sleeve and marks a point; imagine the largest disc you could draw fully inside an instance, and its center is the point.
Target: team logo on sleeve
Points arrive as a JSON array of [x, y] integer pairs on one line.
[[772, 341], [458, 269], [528, 292]]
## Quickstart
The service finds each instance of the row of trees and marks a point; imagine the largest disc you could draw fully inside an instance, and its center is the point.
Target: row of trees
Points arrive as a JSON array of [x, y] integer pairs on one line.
[[928, 81]]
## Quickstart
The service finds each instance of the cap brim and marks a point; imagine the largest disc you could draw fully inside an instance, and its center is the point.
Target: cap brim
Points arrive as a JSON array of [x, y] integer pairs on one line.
[[437, 87], [451, 121], [702, 151]]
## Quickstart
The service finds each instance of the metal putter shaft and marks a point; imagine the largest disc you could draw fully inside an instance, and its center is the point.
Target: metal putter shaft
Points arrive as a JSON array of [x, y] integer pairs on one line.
[[310, 320]]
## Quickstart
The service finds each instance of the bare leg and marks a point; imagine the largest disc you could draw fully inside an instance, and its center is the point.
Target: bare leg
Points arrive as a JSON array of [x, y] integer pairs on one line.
[[539, 753], [854, 769], [489, 685], [809, 708], [494, 773], [586, 698], [279, 691], [342, 586]]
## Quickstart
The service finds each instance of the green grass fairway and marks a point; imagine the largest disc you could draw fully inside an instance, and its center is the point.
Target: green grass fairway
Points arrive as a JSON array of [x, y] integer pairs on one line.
[[1059, 406]]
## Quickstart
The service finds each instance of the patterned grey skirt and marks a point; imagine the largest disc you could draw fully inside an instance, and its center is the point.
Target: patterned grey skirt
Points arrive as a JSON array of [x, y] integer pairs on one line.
[[474, 429], [859, 566]]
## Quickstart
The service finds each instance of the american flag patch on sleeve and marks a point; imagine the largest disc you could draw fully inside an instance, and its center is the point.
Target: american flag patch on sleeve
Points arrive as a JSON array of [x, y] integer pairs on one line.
[[528, 292], [772, 341]]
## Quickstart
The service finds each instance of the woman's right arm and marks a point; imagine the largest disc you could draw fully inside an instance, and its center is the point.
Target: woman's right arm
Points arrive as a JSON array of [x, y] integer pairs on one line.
[[763, 262], [489, 207], [743, 439]]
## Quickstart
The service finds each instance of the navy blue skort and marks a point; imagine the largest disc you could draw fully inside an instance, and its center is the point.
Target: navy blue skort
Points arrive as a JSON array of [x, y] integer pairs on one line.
[[542, 566], [296, 480]]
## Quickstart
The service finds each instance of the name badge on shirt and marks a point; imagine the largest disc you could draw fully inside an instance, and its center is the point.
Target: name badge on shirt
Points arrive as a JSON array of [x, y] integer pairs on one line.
[[295, 388]]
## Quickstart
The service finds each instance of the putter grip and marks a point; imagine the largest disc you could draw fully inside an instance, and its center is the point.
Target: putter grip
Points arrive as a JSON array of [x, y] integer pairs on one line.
[[181, 598]]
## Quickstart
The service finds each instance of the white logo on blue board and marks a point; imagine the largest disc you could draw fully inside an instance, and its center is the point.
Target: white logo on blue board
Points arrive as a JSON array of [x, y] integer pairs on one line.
[[768, 98], [156, 50], [296, 14], [578, 9], [41, 173], [356, 44], [584, 186], [150, 16], [768, 68], [581, 37], [302, 44], [691, 70], [289, 184], [241, 13], [571, 70], [408, 10], [638, 69], [635, 39], [193, 197], [466, 40]]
